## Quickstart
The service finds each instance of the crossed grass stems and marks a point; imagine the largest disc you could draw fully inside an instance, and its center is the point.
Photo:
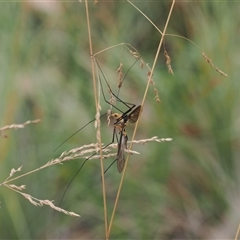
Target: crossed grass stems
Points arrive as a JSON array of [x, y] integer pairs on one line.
[[120, 123]]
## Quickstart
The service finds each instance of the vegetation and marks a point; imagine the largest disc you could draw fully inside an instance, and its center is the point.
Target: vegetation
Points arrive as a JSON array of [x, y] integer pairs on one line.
[[186, 188]]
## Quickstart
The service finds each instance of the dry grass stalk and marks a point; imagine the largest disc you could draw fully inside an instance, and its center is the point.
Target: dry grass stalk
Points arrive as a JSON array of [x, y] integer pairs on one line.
[[208, 60], [142, 13], [110, 155], [39, 203], [142, 64], [97, 125], [97, 105], [120, 75], [17, 126], [142, 141], [153, 139], [77, 153], [136, 55], [109, 114], [11, 174], [136, 124], [35, 201], [19, 188], [237, 233], [112, 99], [149, 74], [81, 152], [168, 62], [13, 171]]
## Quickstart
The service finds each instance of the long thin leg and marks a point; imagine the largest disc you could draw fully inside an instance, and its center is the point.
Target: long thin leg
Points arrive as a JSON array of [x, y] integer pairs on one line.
[[78, 131], [127, 73], [64, 193], [118, 99], [124, 114], [107, 100], [110, 165], [120, 155]]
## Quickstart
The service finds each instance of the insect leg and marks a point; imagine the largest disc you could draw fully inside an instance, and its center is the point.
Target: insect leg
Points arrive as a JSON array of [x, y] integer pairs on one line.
[[64, 193], [77, 132], [118, 99]]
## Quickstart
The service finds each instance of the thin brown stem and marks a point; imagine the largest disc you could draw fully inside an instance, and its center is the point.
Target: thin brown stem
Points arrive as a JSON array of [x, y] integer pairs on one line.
[[97, 117], [136, 125], [237, 234]]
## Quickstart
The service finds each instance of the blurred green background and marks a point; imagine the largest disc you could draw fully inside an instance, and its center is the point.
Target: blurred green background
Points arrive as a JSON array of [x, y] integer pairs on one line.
[[188, 188]]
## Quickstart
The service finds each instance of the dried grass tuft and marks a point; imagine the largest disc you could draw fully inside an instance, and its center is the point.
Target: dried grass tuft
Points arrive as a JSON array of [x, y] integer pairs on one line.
[[38, 202], [142, 64], [19, 188], [120, 75], [13, 171], [82, 152], [168, 62], [149, 74], [73, 154], [208, 60], [16, 126]]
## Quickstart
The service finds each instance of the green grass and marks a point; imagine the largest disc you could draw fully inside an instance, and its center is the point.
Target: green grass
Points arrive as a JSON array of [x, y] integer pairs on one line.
[[186, 188]]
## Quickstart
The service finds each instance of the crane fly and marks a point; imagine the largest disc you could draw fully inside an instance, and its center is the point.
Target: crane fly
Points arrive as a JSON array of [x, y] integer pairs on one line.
[[121, 121], [120, 124], [116, 96]]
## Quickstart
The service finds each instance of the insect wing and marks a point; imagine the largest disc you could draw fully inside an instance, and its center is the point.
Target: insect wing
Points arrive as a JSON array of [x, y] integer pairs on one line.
[[133, 116], [121, 149]]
